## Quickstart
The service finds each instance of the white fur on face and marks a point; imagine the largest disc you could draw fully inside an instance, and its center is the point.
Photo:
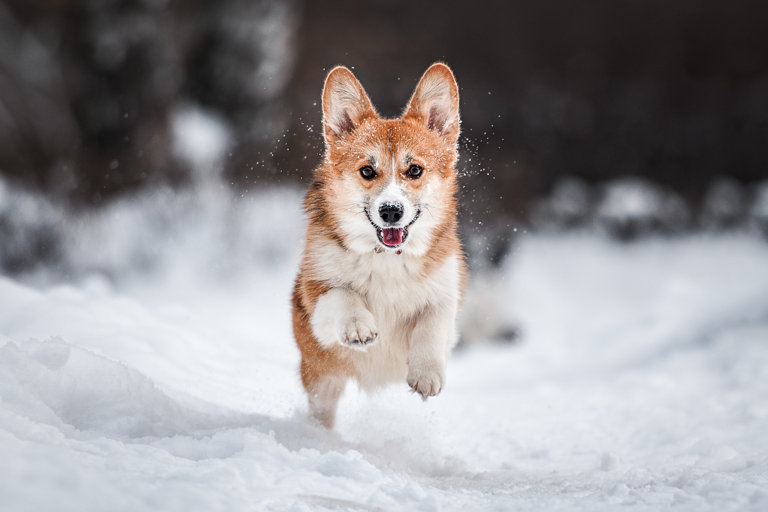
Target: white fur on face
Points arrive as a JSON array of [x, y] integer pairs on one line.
[[349, 205], [356, 209], [393, 193], [432, 212]]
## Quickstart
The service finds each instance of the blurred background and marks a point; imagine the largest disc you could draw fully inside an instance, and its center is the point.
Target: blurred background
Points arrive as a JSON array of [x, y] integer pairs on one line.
[[614, 211], [631, 117]]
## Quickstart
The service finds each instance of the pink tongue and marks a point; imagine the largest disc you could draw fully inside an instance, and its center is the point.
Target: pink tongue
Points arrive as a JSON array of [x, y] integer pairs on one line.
[[392, 236]]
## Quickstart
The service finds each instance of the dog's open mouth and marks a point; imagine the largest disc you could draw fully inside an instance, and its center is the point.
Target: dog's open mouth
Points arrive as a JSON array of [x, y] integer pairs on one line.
[[392, 237]]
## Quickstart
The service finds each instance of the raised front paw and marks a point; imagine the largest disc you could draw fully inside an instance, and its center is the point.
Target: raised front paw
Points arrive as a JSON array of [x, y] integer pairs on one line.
[[358, 331], [426, 379]]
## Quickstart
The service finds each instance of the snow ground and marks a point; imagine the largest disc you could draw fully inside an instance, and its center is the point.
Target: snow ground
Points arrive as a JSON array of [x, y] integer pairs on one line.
[[155, 370]]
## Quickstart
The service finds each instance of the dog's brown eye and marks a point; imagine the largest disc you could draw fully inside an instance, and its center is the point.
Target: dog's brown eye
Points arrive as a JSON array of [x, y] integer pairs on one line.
[[414, 171], [367, 172]]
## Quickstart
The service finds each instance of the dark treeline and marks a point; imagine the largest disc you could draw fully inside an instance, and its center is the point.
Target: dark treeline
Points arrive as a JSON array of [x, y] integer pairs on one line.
[[88, 88], [676, 92]]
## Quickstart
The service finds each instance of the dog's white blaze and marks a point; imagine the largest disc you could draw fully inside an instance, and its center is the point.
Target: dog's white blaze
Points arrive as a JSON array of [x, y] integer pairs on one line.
[[393, 193], [414, 314]]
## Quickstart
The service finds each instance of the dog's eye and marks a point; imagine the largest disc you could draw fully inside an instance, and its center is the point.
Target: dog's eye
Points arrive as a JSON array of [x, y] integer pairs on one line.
[[414, 171], [367, 172]]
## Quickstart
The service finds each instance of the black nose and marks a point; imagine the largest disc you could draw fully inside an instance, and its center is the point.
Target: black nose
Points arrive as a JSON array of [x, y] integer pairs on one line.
[[391, 212]]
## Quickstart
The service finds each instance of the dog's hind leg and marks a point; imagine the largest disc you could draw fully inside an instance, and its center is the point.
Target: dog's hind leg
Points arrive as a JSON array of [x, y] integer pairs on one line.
[[324, 393], [324, 371]]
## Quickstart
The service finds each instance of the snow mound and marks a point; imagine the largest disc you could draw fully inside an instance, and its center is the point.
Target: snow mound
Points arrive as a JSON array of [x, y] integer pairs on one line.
[[77, 391], [101, 436]]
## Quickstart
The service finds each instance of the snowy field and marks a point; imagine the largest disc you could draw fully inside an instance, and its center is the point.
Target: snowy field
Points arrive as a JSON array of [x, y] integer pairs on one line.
[[153, 368]]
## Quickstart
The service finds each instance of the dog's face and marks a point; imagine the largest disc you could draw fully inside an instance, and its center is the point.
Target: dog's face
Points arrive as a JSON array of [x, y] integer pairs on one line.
[[390, 183]]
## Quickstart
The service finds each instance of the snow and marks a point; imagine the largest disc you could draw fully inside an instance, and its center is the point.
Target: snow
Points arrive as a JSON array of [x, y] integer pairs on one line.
[[154, 369]]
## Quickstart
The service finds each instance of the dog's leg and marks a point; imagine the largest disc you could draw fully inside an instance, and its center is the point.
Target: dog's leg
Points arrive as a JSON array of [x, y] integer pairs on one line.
[[324, 396], [433, 335], [340, 316]]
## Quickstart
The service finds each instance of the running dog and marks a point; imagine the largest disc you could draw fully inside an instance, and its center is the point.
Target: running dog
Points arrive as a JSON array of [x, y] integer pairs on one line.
[[382, 272]]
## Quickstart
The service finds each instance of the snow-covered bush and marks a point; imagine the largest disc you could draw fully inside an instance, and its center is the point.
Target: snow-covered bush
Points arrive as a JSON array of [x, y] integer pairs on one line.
[[568, 206], [632, 207], [758, 213], [30, 229], [724, 205]]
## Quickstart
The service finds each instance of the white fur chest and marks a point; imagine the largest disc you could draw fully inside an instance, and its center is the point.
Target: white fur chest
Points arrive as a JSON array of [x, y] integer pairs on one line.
[[392, 285]]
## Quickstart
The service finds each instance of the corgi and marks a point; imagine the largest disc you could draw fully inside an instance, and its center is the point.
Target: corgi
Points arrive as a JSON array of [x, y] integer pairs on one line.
[[382, 271]]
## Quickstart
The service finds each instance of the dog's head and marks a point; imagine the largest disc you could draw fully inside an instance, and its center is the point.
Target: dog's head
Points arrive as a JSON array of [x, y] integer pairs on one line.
[[390, 184]]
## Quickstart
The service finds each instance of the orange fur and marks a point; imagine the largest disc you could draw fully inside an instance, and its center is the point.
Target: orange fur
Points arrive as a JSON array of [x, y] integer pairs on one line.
[[425, 135]]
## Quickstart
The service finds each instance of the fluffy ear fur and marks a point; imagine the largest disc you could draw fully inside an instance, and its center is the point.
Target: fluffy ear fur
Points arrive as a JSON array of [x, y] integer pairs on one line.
[[345, 104], [435, 102]]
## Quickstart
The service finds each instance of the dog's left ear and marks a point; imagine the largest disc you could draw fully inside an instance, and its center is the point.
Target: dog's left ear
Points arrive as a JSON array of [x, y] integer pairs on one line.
[[435, 102]]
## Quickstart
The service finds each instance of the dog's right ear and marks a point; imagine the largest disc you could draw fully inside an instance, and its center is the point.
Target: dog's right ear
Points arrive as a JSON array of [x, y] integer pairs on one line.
[[345, 104]]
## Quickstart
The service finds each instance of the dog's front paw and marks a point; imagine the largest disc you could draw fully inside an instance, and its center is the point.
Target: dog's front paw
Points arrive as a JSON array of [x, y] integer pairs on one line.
[[426, 379], [358, 331]]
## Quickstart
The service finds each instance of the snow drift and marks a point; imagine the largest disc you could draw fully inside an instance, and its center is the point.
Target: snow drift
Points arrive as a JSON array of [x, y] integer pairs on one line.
[[151, 367]]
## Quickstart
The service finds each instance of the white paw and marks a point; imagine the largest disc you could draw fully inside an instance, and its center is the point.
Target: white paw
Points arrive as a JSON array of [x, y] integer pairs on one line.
[[358, 331], [426, 378]]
